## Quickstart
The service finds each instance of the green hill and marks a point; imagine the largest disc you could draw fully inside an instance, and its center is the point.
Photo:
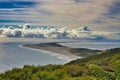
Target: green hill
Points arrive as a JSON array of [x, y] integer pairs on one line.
[[83, 52], [105, 55], [103, 66]]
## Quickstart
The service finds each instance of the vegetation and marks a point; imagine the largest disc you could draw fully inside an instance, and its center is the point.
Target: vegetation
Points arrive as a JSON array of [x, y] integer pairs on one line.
[[104, 66], [84, 52]]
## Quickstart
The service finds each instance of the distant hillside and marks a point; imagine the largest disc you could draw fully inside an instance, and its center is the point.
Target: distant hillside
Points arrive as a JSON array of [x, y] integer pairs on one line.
[[83, 52], [103, 66], [97, 57]]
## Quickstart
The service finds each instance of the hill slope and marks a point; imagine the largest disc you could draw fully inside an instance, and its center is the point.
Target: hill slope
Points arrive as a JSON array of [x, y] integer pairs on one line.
[[104, 66]]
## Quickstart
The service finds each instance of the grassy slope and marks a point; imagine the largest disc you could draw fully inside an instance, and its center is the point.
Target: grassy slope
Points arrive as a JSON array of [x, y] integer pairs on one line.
[[84, 52], [97, 57], [103, 67]]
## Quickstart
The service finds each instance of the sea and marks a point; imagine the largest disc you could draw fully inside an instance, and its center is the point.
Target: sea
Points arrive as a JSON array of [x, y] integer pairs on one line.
[[13, 55]]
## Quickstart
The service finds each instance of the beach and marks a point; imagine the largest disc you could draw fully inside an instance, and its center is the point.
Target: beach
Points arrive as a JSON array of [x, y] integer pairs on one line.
[[54, 48]]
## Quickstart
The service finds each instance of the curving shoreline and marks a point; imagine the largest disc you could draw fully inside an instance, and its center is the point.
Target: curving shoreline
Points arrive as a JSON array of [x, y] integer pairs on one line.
[[55, 49]]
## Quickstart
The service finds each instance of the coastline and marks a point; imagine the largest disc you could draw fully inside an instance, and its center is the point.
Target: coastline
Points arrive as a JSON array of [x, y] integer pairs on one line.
[[67, 57]]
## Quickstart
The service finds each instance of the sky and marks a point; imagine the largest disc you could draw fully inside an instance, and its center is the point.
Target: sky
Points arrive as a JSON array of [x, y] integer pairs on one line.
[[101, 15]]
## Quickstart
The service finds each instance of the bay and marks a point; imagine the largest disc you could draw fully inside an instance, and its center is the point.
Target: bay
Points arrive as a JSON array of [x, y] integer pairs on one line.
[[12, 55]]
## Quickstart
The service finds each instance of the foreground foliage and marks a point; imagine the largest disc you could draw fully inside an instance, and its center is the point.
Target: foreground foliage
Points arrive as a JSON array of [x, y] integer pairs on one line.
[[105, 66]]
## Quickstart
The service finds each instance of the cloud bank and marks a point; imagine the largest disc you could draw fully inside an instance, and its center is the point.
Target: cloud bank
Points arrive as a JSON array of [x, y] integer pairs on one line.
[[98, 14], [82, 33]]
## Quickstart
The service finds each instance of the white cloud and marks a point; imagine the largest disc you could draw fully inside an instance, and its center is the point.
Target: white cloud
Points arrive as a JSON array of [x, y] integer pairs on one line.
[[58, 33], [70, 14]]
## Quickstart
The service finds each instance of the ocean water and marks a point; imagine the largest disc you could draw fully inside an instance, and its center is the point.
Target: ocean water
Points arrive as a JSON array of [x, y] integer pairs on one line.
[[93, 45], [12, 55]]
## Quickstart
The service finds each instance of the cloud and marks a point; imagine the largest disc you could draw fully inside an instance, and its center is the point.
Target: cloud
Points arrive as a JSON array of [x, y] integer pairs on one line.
[[81, 1], [97, 14], [114, 9], [83, 33]]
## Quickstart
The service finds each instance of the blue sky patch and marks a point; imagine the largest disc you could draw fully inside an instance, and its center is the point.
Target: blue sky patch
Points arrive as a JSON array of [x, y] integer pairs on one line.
[[6, 21], [17, 4]]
